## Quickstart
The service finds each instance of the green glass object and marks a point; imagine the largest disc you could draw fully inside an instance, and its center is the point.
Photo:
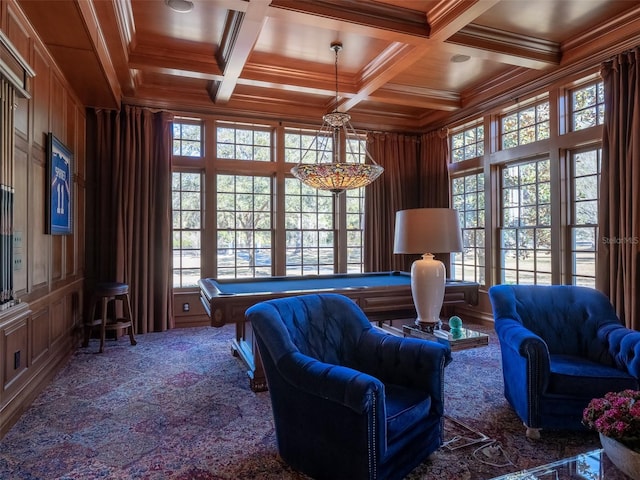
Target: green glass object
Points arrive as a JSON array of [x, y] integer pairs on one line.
[[455, 323]]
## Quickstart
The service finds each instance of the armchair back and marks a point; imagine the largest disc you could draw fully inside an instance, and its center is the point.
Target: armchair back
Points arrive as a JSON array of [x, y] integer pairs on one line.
[[567, 317]]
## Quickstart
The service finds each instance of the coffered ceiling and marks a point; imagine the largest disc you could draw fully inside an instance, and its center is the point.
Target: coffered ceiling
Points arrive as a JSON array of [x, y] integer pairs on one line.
[[405, 65]]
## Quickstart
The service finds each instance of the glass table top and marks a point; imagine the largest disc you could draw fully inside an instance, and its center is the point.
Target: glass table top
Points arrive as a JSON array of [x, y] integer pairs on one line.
[[593, 465]]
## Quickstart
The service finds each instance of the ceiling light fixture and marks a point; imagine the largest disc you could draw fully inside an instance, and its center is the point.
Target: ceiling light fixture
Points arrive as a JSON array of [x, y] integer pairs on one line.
[[460, 58], [337, 175], [180, 6]]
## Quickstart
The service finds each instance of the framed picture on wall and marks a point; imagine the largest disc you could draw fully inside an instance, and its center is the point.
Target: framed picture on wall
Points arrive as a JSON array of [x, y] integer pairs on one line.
[[60, 181]]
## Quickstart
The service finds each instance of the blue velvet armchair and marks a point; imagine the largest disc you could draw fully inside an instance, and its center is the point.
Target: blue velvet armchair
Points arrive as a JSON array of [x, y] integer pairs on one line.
[[561, 346], [349, 402]]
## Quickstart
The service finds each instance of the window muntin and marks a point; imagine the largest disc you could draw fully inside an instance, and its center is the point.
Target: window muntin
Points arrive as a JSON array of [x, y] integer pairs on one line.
[[187, 138], [243, 142], [585, 179], [186, 201], [525, 230], [526, 125], [467, 144], [469, 200], [244, 226]]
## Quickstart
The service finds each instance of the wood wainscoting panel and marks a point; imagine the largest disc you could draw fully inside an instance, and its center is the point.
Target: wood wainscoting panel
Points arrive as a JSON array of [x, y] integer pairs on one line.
[[20, 217], [40, 97], [15, 339], [188, 310], [39, 335], [58, 322], [39, 246]]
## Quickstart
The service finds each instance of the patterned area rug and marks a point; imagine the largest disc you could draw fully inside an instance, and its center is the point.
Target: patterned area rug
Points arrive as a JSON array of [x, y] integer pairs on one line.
[[178, 406]]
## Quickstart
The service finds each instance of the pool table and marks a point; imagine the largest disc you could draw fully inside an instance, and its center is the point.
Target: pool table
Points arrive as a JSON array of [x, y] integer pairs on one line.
[[381, 295]]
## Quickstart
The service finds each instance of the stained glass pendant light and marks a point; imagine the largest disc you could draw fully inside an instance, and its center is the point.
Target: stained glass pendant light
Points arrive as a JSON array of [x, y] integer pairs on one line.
[[337, 175]]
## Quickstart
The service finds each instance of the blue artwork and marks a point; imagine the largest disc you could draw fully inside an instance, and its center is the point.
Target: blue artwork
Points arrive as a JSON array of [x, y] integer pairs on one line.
[[60, 195]]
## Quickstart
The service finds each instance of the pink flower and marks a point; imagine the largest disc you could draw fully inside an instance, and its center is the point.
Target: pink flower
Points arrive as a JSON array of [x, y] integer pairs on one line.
[[617, 415]]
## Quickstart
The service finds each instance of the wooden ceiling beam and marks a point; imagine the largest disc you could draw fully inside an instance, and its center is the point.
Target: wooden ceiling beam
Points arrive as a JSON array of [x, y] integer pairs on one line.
[[506, 47], [395, 94], [450, 16], [175, 63], [243, 31], [368, 14]]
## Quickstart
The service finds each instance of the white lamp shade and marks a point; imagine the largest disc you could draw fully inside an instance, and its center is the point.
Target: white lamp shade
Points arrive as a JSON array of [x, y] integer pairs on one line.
[[427, 230]]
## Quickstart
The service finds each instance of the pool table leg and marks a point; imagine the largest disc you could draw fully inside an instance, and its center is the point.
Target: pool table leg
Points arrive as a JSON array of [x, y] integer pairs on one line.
[[245, 347]]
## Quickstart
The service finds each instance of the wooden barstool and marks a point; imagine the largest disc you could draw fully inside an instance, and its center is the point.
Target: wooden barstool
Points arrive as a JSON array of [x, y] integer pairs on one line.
[[103, 294]]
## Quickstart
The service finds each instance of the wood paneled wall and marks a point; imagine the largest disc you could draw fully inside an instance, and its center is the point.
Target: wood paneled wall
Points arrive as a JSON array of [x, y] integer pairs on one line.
[[39, 333]]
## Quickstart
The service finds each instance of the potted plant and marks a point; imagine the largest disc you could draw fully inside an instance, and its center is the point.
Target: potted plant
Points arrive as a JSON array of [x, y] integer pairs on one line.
[[616, 417]]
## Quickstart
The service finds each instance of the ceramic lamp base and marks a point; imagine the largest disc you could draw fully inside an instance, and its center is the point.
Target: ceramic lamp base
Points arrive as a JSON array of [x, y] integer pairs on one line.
[[428, 278]]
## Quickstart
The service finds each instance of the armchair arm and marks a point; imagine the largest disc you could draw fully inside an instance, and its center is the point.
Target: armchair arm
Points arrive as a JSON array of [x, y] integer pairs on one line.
[[624, 347], [518, 341], [339, 384]]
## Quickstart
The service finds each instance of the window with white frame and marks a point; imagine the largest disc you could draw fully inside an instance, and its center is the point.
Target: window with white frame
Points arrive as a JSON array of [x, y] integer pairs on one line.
[[525, 223], [585, 179], [525, 125], [469, 200]]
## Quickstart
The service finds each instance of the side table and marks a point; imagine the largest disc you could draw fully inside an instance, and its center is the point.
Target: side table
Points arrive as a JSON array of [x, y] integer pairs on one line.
[[467, 339]]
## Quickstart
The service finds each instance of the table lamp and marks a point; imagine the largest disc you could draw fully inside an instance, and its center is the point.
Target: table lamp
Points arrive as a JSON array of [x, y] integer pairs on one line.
[[427, 231]]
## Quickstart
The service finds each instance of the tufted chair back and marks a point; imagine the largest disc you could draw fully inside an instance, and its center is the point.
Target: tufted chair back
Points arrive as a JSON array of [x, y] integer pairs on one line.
[[322, 327], [566, 317]]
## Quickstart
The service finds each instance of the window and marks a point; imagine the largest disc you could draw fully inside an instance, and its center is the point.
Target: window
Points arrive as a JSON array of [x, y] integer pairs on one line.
[[525, 230], [585, 178], [187, 228], [303, 146], [243, 142], [467, 144], [187, 138], [587, 106], [354, 199], [355, 230], [468, 200], [309, 229], [243, 225], [527, 125]]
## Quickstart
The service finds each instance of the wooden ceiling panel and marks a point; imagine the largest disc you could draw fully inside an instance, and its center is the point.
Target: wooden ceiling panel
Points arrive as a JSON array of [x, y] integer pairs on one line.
[[554, 20], [438, 70], [307, 44], [154, 19]]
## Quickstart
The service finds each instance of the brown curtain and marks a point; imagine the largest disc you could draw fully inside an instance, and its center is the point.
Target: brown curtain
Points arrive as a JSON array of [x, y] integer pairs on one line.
[[619, 205], [434, 171], [133, 208], [396, 189]]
